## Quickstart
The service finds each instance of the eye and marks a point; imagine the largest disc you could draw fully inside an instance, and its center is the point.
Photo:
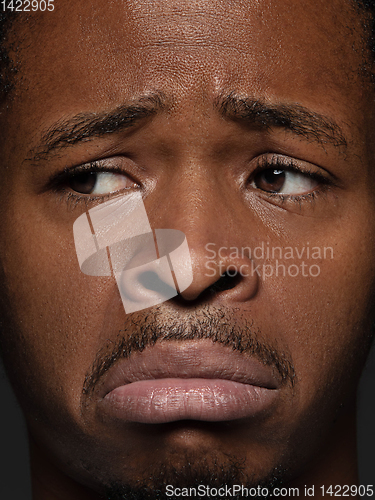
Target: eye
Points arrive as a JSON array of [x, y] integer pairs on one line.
[[99, 183], [283, 181]]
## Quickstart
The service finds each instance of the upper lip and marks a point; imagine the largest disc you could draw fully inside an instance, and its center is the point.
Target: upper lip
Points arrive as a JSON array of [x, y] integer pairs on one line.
[[189, 359]]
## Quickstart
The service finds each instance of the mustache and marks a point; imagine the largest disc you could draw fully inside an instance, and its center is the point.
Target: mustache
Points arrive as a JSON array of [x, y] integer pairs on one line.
[[228, 328]]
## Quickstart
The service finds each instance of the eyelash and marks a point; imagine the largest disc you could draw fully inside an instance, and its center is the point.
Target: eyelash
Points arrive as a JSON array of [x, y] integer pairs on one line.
[[58, 183], [290, 165]]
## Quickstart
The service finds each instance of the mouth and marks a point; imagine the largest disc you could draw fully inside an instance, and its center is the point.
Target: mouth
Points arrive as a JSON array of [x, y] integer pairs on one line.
[[190, 380]]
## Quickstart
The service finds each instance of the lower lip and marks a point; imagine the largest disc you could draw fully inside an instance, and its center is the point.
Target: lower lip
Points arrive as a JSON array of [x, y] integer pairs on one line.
[[159, 401]]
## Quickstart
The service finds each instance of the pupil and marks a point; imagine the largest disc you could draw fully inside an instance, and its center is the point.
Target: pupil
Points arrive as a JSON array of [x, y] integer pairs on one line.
[[271, 180], [272, 176], [83, 183]]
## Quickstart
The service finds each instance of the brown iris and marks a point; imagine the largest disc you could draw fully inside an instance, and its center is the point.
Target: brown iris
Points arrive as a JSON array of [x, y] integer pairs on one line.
[[271, 180], [83, 183]]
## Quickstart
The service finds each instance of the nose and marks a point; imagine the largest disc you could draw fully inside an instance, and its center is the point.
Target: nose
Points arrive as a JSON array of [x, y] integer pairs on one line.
[[221, 271], [217, 227], [152, 278]]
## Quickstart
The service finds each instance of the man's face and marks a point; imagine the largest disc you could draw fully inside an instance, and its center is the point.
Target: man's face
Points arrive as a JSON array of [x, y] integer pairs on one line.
[[256, 131]]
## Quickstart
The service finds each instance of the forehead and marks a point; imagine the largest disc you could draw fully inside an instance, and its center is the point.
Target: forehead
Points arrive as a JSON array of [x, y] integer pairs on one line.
[[85, 51]]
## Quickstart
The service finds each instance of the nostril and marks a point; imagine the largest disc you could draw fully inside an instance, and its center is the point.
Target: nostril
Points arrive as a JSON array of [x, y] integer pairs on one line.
[[227, 281]]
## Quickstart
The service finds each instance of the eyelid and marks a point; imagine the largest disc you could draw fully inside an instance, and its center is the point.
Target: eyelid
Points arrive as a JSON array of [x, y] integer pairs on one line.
[[58, 182], [277, 161], [281, 162], [94, 166], [99, 166]]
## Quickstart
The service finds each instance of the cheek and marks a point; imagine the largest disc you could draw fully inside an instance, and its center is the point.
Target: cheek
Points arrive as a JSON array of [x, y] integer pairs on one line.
[[326, 319], [55, 317]]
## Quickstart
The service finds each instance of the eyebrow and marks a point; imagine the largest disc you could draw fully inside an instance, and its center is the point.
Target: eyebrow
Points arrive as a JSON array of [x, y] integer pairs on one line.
[[254, 112], [292, 117], [85, 126]]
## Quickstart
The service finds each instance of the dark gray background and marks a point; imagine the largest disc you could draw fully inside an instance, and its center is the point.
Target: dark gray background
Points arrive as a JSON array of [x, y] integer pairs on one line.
[[14, 473]]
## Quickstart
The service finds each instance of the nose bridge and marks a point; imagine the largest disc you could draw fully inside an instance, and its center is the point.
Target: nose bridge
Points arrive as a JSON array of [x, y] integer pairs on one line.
[[196, 204]]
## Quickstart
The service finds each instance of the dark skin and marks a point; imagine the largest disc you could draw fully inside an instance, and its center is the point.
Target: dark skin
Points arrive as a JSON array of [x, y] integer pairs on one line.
[[197, 172]]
